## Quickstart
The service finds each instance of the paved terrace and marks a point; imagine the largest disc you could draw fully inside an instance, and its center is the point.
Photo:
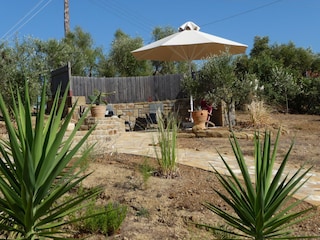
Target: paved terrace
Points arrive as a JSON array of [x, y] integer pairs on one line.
[[141, 143]]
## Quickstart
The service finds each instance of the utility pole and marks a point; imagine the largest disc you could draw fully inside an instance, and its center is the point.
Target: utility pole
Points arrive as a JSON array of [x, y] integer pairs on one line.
[[66, 18]]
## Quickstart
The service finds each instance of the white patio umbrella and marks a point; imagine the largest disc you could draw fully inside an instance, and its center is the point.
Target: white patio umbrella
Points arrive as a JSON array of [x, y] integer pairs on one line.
[[186, 45]]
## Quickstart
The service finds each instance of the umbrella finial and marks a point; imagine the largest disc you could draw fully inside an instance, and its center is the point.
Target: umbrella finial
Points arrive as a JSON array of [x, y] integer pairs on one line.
[[189, 26]]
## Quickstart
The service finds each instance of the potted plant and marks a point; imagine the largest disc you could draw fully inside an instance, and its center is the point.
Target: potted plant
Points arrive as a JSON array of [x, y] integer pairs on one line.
[[99, 100]]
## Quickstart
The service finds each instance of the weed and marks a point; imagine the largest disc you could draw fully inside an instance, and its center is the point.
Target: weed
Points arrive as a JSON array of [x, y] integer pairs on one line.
[[143, 212], [146, 170]]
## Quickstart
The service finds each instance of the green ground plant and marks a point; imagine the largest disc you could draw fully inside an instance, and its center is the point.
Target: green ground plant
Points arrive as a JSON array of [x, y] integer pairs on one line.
[[146, 171], [167, 139], [143, 212], [261, 210], [107, 223], [38, 170]]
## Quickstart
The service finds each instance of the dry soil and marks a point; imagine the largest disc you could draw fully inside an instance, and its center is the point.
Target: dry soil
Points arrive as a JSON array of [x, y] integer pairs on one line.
[[160, 208]]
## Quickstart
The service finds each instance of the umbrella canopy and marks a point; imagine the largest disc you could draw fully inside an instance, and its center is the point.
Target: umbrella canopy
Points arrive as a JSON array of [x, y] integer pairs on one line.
[[186, 45]]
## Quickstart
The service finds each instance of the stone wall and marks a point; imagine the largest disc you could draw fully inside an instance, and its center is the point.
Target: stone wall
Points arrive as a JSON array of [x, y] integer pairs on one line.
[[103, 136], [107, 130], [130, 112]]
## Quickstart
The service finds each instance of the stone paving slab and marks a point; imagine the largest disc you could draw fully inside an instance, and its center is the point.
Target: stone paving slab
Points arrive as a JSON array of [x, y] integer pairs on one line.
[[142, 143]]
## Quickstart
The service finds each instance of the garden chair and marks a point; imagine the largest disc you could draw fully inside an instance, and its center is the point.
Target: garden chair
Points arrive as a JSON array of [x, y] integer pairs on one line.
[[154, 109]]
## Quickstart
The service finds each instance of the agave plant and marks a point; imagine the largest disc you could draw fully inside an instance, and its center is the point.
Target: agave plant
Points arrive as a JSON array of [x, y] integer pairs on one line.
[[261, 209], [36, 173]]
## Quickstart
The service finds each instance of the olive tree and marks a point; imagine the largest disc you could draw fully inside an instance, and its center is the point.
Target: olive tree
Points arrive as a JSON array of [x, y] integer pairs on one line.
[[218, 82], [81, 52], [21, 64], [285, 82], [122, 60]]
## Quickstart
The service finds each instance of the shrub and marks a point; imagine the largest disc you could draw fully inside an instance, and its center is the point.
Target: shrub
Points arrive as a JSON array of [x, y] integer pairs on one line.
[[107, 223], [36, 170], [261, 210]]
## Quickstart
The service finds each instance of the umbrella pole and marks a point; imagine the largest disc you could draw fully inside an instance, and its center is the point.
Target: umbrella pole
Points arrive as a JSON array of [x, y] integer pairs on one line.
[[191, 108], [191, 98]]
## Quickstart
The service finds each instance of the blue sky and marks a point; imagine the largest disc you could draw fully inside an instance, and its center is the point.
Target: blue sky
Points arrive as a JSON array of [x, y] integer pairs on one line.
[[238, 20]]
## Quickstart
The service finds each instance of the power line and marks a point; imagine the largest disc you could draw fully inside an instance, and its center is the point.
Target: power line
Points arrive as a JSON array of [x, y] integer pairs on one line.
[[242, 13], [115, 8], [16, 28]]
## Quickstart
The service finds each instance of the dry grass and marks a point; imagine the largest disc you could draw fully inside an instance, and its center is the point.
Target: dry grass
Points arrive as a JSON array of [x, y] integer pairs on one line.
[[259, 114]]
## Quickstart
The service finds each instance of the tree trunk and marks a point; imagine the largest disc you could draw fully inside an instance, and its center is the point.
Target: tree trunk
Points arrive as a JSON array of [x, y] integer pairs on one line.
[[230, 120]]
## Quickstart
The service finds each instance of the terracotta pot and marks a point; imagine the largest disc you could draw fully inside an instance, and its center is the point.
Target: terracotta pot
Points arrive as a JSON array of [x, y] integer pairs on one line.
[[98, 111], [200, 118]]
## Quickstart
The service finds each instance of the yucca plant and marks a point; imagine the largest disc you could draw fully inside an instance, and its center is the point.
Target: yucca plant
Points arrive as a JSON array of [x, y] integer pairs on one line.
[[261, 209], [36, 170]]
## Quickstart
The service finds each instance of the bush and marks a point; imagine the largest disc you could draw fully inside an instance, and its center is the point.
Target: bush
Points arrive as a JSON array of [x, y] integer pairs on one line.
[[107, 223]]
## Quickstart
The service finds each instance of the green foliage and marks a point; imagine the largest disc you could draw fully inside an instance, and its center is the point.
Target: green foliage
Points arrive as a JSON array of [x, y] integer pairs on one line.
[[297, 59], [167, 138], [294, 63], [285, 84], [107, 223], [82, 54], [308, 99], [37, 172], [219, 82], [99, 97], [260, 47], [21, 65], [261, 210], [122, 59]]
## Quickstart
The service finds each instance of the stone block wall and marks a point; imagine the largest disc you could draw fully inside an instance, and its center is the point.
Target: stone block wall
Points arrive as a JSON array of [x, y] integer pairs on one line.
[[103, 136], [107, 130], [130, 112]]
